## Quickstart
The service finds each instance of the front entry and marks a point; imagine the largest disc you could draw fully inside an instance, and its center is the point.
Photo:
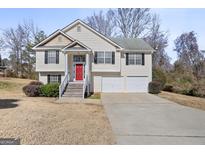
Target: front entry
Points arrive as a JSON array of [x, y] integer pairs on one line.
[[79, 72]]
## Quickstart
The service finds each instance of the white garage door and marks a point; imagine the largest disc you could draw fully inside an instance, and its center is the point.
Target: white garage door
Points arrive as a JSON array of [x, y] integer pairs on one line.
[[136, 84], [121, 84], [112, 84]]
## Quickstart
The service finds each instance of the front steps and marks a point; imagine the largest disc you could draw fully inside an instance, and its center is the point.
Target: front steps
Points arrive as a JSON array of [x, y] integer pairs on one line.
[[74, 90]]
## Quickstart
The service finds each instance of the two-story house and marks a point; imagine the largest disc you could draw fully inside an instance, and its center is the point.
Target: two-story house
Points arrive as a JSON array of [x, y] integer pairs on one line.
[[83, 60]]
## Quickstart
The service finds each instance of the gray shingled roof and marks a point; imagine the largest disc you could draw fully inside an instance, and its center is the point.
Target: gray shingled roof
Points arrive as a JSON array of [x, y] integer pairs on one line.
[[132, 44]]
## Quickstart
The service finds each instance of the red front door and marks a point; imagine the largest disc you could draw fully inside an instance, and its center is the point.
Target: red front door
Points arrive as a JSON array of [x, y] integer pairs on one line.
[[79, 71]]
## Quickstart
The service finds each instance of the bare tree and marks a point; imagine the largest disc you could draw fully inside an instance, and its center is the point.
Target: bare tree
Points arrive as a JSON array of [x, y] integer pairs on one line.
[[13, 40], [158, 39], [132, 22], [19, 42], [187, 49], [102, 22]]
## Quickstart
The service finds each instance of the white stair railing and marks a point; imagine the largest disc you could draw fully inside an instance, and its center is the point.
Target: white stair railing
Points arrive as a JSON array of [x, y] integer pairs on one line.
[[85, 82], [63, 84]]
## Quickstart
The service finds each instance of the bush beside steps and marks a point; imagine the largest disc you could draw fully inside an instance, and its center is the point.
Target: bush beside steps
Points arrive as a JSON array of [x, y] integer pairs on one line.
[[36, 89], [50, 90]]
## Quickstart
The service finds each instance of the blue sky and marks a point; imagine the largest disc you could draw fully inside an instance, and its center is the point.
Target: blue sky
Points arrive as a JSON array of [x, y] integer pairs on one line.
[[175, 21]]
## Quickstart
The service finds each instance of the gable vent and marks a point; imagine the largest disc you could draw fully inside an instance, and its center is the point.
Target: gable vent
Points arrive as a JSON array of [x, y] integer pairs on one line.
[[78, 29], [59, 39]]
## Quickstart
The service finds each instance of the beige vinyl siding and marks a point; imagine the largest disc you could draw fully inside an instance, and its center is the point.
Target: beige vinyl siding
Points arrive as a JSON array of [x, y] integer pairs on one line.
[[96, 43], [59, 40], [108, 67], [42, 67], [43, 76], [137, 70]]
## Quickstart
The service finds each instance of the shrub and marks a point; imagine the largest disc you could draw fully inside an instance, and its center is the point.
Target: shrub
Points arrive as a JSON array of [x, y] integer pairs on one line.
[[177, 89], [168, 87], [35, 83], [154, 87], [160, 76], [193, 92], [50, 90], [32, 90], [201, 91], [190, 92], [197, 90], [10, 73]]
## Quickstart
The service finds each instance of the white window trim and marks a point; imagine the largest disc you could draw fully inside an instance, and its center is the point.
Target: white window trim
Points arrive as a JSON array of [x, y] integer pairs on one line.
[[82, 58], [53, 78], [135, 58], [104, 57], [52, 57]]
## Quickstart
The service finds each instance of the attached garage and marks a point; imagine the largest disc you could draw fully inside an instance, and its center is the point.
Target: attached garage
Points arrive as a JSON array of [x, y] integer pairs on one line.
[[124, 84], [112, 84], [136, 84]]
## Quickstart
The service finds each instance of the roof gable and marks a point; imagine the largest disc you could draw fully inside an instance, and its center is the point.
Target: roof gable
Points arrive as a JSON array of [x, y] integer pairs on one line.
[[76, 46], [58, 38], [77, 22]]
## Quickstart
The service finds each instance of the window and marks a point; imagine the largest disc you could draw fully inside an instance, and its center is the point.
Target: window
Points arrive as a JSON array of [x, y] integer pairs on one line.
[[102, 57], [79, 58], [52, 57], [138, 59], [54, 78], [134, 59], [108, 57]]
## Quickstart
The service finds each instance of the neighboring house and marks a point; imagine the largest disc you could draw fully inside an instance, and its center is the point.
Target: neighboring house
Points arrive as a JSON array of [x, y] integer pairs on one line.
[[87, 61]]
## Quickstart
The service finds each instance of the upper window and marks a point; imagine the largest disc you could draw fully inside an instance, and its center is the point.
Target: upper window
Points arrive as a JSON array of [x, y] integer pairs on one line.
[[102, 57], [134, 59], [51, 57], [108, 57]]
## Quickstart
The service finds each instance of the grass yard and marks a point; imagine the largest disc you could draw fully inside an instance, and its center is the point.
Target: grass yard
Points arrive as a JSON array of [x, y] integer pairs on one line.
[[195, 102], [95, 96], [38, 120]]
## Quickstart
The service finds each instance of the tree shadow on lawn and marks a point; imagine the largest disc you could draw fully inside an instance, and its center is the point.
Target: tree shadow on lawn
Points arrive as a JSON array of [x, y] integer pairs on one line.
[[8, 103]]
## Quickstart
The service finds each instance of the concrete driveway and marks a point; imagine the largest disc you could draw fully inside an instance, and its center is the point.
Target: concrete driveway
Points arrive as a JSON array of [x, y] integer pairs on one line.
[[148, 119]]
